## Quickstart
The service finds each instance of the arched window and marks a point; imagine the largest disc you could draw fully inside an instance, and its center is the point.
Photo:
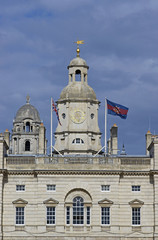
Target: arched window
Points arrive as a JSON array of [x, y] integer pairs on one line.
[[78, 204], [78, 75], [78, 210], [27, 146], [78, 141], [27, 127]]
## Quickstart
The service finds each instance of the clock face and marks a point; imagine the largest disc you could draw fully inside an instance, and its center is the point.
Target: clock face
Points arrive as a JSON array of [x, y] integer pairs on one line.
[[78, 116]]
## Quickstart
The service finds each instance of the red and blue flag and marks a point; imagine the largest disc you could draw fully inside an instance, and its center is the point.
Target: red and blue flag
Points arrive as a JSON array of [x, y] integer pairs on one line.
[[117, 109], [56, 111]]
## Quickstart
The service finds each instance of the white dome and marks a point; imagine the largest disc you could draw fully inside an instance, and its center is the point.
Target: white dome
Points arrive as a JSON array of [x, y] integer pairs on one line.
[[78, 90], [78, 62]]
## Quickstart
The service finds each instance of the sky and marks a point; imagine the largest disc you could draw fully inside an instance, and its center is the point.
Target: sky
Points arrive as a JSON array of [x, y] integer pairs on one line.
[[121, 48]]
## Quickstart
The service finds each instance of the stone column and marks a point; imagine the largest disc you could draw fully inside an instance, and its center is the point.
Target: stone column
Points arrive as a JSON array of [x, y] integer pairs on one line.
[[1, 206], [155, 208]]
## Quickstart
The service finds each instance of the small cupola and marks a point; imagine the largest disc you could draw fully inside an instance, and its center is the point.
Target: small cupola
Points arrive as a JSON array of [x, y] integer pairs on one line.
[[78, 69]]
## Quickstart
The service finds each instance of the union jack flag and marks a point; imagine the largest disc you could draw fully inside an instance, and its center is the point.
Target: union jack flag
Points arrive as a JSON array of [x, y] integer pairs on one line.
[[56, 111]]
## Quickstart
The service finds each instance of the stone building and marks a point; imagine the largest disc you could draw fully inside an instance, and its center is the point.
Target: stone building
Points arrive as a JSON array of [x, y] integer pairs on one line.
[[77, 194]]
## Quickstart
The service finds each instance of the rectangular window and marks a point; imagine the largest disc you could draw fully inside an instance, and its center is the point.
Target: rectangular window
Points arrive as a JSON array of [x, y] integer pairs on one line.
[[67, 215], [105, 215], [135, 188], [105, 188], [88, 215], [51, 187], [20, 215], [50, 215], [20, 188], [135, 216]]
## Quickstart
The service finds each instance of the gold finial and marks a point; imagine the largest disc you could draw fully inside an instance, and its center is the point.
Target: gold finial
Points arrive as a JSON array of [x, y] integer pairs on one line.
[[78, 50]]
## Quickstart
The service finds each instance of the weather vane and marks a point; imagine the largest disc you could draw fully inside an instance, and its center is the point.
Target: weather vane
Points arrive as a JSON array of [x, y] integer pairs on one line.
[[78, 50]]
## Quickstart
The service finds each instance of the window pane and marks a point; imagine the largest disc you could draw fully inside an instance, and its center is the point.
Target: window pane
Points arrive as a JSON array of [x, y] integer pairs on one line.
[[67, 215], [20, 188], [51, 187], [78, 210], [50, 215], [19, 215], [136, 188], [77, 140], [135, 216], [88, 215], [105, 188], [105, 215]]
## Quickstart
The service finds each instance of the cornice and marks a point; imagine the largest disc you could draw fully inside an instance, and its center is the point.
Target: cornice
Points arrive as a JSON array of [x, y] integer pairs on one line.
[[70, 100], [79, 172], [3, 171], [78, 131]]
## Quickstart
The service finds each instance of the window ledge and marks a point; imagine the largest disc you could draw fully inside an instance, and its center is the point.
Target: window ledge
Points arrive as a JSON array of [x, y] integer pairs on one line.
[[105, 228], [136, 228], [19, 227], [78, 228], [105, 190], [50, 226]]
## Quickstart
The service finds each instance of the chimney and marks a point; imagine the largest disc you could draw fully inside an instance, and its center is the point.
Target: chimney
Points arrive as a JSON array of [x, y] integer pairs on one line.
[[148, 137], [7, 138], [114, 141]]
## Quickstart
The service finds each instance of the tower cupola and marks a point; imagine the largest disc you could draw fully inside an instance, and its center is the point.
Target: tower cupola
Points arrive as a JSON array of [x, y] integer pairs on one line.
[[28, 134], [78, 112]]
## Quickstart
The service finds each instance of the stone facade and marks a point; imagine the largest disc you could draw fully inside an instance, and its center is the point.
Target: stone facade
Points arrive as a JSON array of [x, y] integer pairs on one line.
[[77, 194]]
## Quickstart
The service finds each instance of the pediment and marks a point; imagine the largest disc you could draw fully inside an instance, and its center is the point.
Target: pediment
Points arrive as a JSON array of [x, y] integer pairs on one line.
[[105, 201], [20, 201], [136, 202], [51, 201]]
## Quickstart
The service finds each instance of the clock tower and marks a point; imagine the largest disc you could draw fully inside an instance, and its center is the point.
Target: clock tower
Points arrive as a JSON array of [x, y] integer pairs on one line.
[[78, 112]]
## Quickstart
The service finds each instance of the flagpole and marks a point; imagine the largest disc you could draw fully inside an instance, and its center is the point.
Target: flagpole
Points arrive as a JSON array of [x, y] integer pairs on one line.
[[51, 129], [105, 125]]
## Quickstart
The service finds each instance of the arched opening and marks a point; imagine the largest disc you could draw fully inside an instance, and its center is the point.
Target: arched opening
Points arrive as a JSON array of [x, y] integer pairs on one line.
[[78, 210], [27, 146], [78, 75], [85, 78], [27, 127], [78, 204], [77, 141]]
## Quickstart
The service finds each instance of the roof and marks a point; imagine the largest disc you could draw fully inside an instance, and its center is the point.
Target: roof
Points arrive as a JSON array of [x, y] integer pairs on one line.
[[27, 111], [77, 90]]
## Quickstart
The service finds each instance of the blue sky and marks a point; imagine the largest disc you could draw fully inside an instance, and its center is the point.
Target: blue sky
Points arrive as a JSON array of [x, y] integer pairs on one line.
[[121, 49]]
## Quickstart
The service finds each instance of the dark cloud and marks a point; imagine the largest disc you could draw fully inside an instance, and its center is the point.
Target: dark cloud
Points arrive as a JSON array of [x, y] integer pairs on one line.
[[36, 45]]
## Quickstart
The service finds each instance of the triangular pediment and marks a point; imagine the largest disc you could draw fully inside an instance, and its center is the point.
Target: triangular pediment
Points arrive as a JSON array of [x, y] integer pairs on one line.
[[136, 202], [50, 201], [20, 201], [105, 201]]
